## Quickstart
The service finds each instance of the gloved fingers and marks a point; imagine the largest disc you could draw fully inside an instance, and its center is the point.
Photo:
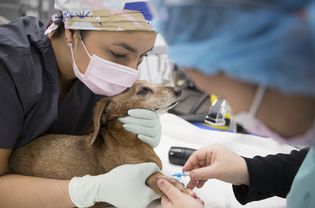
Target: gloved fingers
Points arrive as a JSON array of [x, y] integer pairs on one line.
[[153, 142], [139, 121], [148, 168], [143, 113], [136, 129], [139, 170]]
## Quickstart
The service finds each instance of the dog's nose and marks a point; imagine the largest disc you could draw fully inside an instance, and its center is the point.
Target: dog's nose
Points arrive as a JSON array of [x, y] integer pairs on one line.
[[178, 91]]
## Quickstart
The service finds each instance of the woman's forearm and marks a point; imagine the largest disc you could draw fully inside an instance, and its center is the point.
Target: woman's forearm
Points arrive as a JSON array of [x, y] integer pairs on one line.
[[25, 191], [265, 183]]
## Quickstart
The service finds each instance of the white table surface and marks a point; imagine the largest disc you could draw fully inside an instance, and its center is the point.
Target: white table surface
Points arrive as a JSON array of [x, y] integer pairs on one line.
[[216, 194]]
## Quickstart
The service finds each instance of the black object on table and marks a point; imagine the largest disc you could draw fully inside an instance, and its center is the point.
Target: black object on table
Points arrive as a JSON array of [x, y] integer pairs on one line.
[[179, 155]]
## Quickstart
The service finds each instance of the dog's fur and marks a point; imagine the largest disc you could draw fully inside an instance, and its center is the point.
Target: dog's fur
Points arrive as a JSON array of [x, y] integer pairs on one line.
[[108, 146]]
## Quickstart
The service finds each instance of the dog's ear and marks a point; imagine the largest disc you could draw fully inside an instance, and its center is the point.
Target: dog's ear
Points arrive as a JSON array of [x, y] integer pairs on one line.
[[101, 110]]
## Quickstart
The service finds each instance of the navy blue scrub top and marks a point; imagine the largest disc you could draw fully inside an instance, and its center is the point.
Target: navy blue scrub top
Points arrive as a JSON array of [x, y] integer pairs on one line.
[[29, 88]]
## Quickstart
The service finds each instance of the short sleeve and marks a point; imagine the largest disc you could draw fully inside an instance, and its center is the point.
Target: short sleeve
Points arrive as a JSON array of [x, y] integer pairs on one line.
[[11, 111]]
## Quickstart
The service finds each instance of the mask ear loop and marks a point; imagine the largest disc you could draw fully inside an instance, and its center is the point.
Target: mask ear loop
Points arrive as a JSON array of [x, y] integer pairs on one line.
[[73, 60], [71, 51], [259, 95], [86, 50]]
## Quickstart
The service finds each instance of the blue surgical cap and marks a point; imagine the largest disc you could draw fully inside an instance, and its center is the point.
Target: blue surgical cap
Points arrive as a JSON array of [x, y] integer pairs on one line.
[[269, 43]]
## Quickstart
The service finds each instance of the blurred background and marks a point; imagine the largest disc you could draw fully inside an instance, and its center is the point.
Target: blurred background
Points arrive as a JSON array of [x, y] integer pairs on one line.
[[11, 9]]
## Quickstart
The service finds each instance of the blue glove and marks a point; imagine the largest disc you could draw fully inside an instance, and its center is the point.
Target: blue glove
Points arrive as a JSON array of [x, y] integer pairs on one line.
[[145, 123]]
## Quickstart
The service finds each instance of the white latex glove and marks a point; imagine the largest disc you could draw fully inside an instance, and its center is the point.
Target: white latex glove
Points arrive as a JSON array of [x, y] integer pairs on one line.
[[145, 123], [123, 187]]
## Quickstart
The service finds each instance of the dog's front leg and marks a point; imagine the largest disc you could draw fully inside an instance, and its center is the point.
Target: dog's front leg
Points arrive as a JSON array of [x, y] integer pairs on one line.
[[101, 205], [152, 182]]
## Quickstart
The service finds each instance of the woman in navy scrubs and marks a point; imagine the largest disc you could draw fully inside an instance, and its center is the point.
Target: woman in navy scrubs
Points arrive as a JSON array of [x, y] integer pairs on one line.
[[44, 89]]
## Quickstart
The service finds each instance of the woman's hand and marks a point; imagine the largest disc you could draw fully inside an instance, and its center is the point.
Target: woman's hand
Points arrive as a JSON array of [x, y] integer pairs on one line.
[[123, 186], [216, 162], [145, 123], [174, 198]]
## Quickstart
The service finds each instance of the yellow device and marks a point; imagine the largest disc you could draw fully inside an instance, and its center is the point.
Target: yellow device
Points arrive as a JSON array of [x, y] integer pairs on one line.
[[219, 116]]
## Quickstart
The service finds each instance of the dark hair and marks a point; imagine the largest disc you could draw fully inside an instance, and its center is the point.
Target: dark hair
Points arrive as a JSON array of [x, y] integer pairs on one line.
[[61, 26]]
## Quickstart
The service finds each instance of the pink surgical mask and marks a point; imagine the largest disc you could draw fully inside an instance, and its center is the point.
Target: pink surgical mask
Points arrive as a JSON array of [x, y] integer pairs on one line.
[[104, 77], [254, 126]]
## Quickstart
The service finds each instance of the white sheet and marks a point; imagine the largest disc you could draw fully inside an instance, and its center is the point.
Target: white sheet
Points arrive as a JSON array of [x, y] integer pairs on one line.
[[216, 194]]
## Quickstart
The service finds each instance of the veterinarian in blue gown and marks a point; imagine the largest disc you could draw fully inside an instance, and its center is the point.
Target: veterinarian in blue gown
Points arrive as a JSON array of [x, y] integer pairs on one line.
[[260, 56], [45, 88]]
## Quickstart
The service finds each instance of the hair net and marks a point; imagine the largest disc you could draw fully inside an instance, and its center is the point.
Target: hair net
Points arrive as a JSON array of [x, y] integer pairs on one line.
[[268, 42]]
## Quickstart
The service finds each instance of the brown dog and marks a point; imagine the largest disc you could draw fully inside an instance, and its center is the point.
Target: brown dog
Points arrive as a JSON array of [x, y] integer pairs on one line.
[[108, 146]]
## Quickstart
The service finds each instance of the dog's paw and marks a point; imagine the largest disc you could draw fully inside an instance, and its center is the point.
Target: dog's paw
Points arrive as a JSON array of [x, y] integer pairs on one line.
[[180, 186], [152, 182]]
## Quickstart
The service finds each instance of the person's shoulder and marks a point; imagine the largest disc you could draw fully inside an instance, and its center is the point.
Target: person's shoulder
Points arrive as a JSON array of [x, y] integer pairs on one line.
[[27, 57], [21, 33], [22, 43]]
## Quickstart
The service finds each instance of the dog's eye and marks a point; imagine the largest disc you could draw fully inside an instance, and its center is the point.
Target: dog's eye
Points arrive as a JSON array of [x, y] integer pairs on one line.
[[143, 91]]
